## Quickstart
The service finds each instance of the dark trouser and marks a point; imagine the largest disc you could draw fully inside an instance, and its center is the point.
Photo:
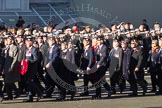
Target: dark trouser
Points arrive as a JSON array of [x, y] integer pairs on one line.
[[1, 92], [116, 78], [50, 84], [135, 78], [160, 79], [68, 77], [37, 80], [33, 88], [72, 83], [106, 86], [22, 84], [40, 75], [101, 80], [86, 81], [9, 88], [154, 80]]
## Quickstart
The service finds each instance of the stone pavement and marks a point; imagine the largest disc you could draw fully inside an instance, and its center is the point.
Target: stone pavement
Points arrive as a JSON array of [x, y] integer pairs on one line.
[[116, 101], [150, 101]]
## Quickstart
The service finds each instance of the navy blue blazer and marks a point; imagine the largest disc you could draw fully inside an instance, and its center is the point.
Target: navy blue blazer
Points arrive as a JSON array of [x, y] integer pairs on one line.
[[52, 54], [102, 55], [87, 58], [33, 56]]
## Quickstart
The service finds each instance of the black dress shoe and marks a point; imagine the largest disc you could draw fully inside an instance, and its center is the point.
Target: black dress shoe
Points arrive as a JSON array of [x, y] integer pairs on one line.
[[153, 91], [61, 98], [29, 100], [144, 92], [145, 88], [133, 94], [96, 97], [72, 96], [68, 92], [158, 93], [47, 96], [113, 91], [38, 98], [109, 94], [84, 94], [17, 96], [8, 98]]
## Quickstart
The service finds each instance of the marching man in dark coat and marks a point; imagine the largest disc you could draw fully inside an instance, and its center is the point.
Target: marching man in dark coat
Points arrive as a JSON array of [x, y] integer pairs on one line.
[[102, 56], [125, 61], [1, 66], [11, 68], [160, 68], [115, 59], [21, 56], [70, 57], [32, 59], [136, 68], [87, 62], [67, 58], [153, 64], [42, 52], [52, 60]]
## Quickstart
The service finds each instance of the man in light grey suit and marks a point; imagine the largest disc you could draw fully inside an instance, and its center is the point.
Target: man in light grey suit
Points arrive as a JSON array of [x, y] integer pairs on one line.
[[11, 74]]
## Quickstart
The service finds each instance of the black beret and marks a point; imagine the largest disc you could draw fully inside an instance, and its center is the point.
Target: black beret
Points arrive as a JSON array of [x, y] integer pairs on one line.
[[87, 38], [20, 36], [100, 37], [125, 40], [30, 38]]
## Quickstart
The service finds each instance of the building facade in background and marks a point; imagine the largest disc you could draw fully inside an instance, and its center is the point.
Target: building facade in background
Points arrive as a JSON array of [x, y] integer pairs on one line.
[[101, 11]]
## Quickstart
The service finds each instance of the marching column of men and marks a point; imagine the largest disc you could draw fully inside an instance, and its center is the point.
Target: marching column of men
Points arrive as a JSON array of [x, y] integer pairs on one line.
[[125, 62]]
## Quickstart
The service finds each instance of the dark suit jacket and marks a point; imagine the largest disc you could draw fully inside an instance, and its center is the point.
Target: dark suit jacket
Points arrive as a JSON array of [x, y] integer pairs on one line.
[[153, 59], [1, 57], [67, 65], [136, 60], [115, 63], [32, 62], [33, 58], [22, 52], [126, 62], [42, 54], [53, 55], [160, 58], [102, 55], [87, 58], [70, 55], [11, 63]]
